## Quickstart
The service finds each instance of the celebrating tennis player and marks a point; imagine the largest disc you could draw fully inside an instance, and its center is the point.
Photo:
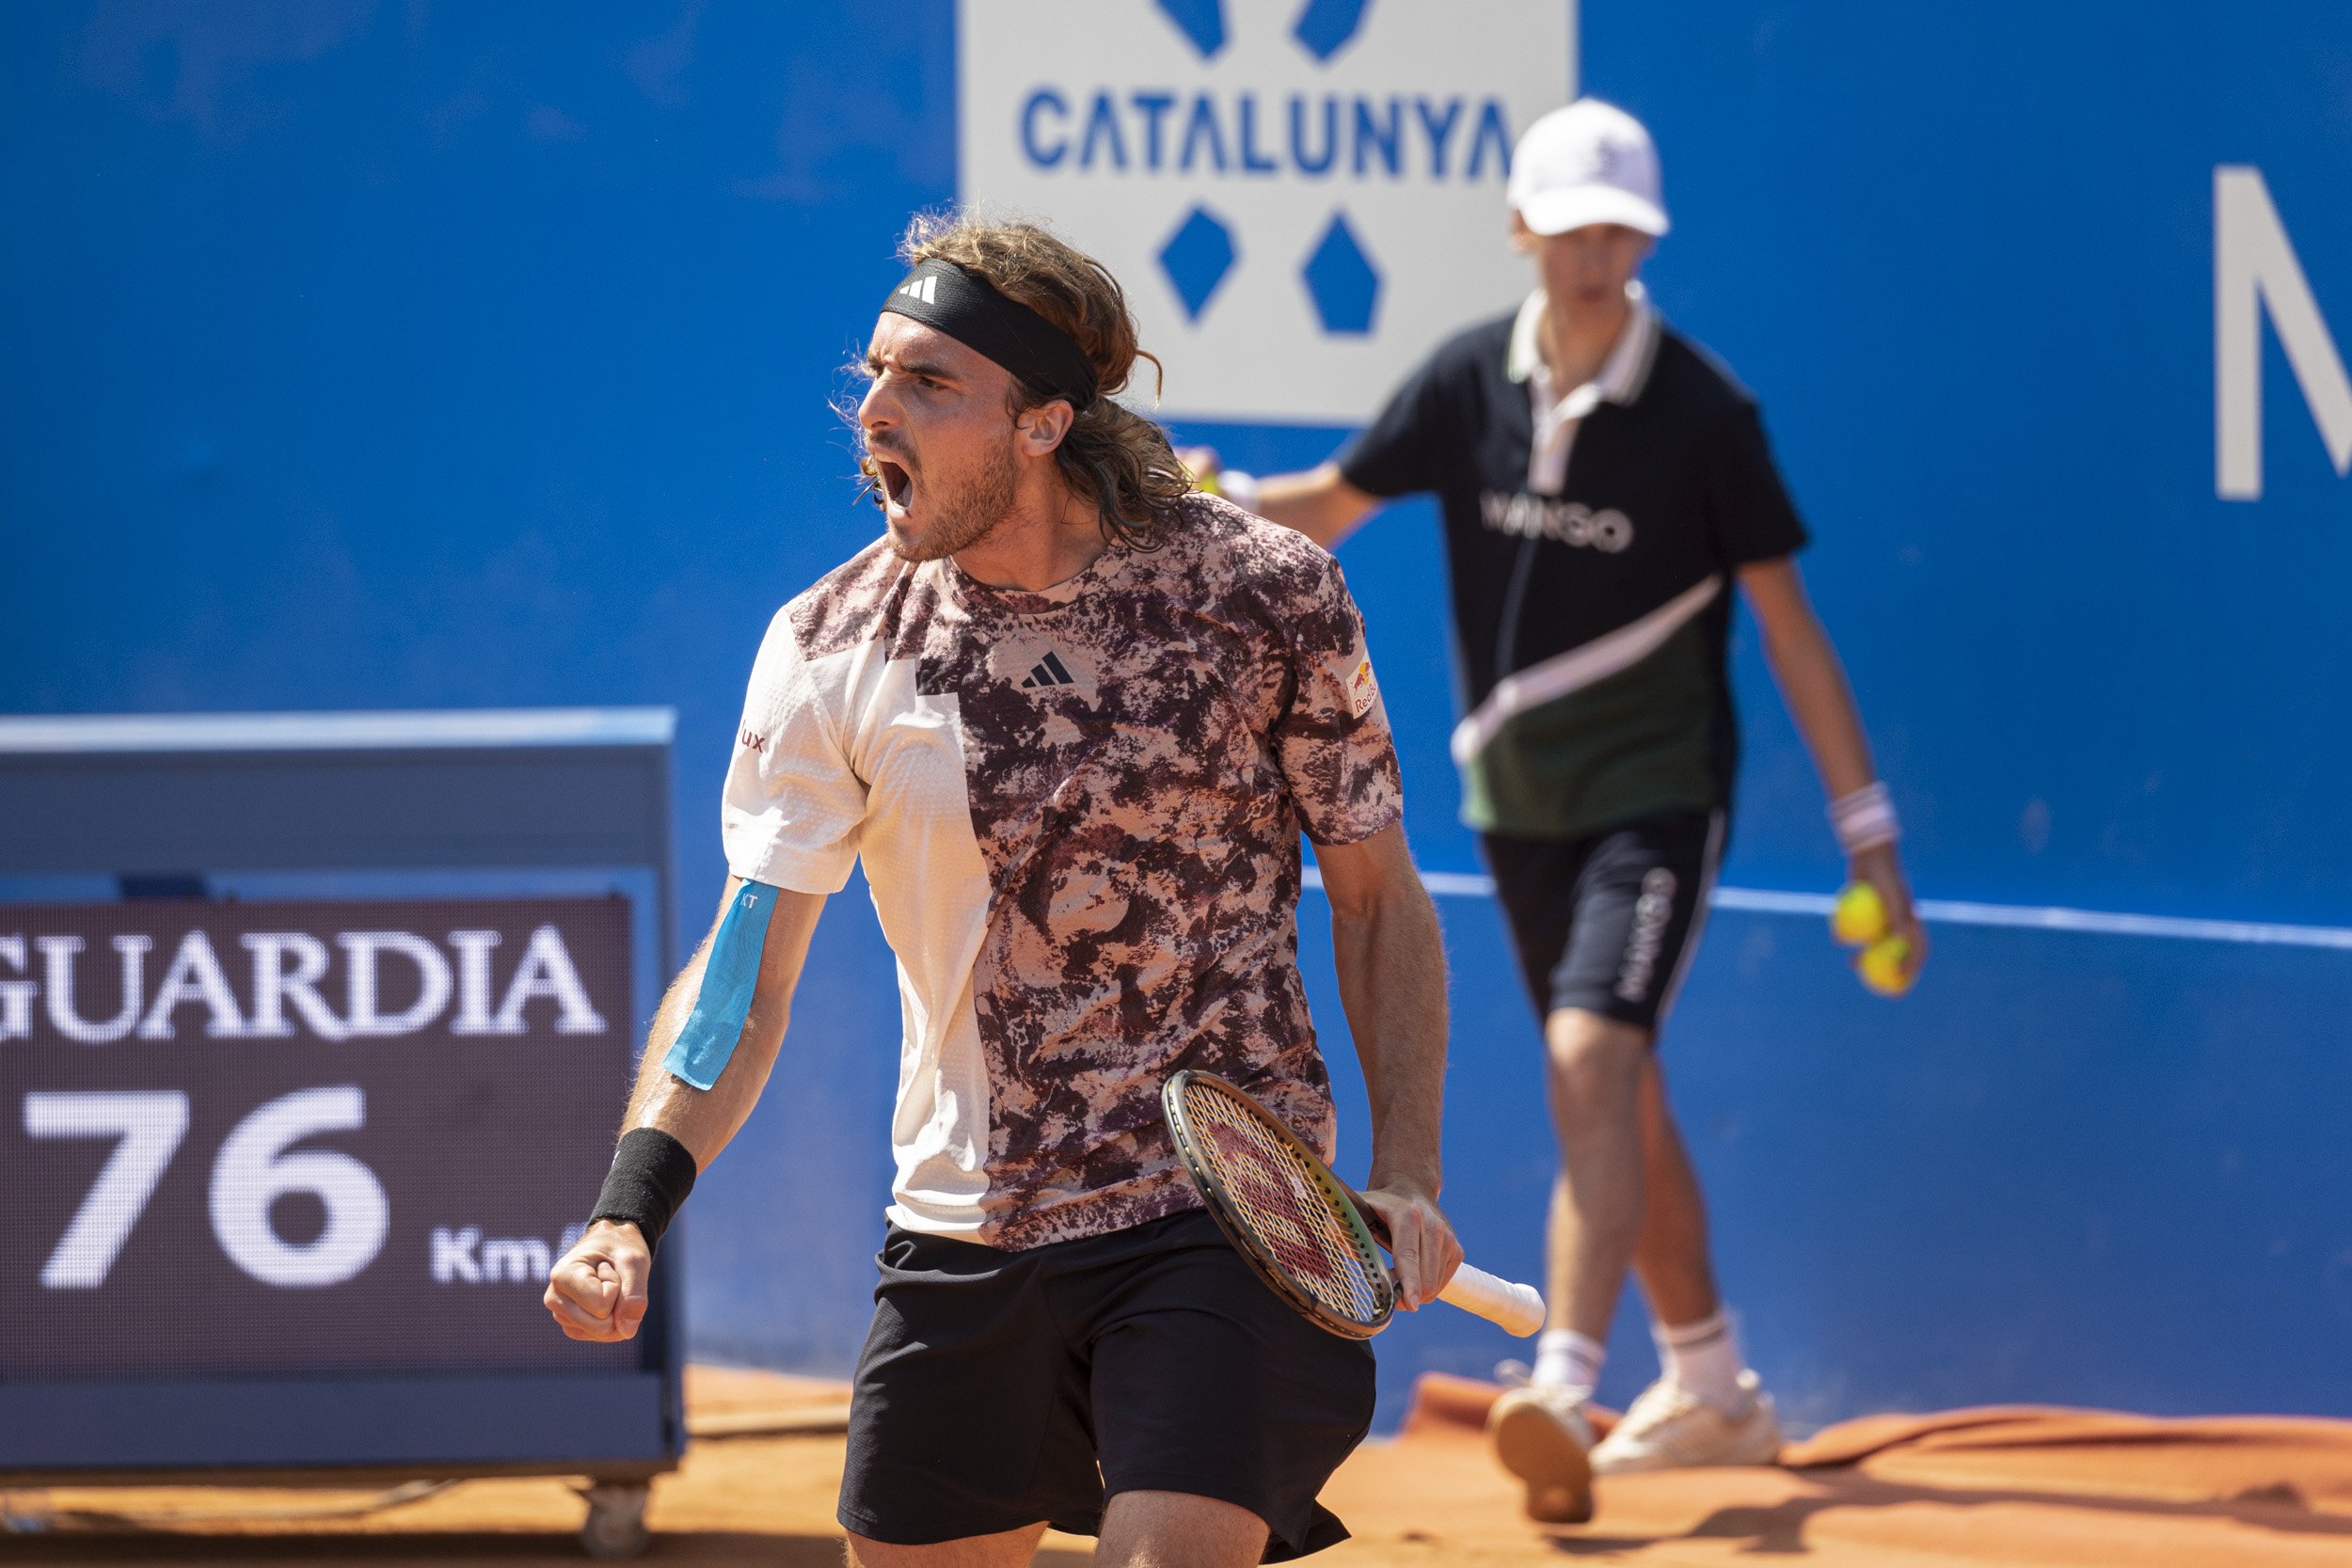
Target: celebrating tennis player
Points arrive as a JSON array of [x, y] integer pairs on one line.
[[1605, 485], [1073, 717]]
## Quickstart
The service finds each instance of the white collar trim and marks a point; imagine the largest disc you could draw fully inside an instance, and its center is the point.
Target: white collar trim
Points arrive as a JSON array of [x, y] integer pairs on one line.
[[1622, 374]]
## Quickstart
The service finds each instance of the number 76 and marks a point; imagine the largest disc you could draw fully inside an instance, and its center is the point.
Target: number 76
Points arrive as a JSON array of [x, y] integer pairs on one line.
[[253, 1169]]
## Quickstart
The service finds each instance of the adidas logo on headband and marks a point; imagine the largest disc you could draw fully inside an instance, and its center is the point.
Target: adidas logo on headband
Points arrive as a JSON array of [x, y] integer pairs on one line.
[[968, 309]]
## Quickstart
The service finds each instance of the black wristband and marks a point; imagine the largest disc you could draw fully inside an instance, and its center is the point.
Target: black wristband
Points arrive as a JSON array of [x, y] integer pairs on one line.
[[651, 1175]]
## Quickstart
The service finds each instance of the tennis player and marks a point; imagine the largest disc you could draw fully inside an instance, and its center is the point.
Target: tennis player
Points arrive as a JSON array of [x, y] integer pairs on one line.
[[1073, 717], [1605, 486]]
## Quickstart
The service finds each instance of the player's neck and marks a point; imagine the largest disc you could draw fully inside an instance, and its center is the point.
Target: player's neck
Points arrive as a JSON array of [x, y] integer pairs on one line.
[[1050, 537], [1577, 338]]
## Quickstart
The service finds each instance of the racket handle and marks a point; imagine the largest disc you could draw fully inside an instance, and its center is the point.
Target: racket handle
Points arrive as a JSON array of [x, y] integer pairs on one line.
[[1516, 1308]]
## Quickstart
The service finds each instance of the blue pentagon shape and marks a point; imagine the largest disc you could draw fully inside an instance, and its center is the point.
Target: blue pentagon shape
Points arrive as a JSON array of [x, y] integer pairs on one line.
[[1197, 258], [1325, 26], [1201, 21], [1341, 280]]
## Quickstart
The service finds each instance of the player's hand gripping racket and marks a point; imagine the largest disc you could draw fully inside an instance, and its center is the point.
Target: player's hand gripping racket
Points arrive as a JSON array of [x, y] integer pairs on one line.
[[1298, 1226]]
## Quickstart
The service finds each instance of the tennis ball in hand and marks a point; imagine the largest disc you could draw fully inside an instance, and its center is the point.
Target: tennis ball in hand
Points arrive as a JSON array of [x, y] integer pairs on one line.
[[1201, 466], [1885, 966], [1859, 917]]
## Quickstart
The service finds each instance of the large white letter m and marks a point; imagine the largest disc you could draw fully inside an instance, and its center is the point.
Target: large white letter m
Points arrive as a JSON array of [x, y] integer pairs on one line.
[[2253, 265]]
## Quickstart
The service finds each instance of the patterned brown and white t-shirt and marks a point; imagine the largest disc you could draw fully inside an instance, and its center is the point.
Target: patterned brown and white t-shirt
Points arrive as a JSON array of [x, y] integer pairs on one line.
[[1079, 812]]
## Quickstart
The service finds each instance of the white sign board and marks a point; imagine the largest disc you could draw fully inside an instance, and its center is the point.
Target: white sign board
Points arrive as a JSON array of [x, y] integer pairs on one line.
[[1301, 197]]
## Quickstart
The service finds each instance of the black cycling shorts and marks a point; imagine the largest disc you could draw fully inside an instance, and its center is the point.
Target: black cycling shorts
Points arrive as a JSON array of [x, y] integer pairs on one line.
[[998, 1389], [1608, 922]]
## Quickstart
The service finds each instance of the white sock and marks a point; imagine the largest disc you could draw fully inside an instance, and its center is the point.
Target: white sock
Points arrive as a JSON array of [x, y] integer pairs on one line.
[[1566, 1359], [1703, 1359]]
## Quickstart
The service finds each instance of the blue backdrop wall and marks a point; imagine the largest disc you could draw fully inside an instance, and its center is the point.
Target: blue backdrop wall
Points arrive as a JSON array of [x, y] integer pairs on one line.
[[399, 355]]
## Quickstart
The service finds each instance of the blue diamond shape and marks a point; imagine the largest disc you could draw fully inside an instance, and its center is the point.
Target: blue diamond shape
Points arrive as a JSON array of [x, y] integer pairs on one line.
[[1197, 258], [1201, 21], [1341, 280], [1325, 26]]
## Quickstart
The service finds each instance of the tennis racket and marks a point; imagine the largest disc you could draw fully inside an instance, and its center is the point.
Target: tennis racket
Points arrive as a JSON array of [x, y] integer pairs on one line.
[[1298, 1226]]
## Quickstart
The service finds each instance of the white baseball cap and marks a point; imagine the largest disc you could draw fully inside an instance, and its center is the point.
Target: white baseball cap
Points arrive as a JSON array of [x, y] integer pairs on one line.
[[1589, 162]]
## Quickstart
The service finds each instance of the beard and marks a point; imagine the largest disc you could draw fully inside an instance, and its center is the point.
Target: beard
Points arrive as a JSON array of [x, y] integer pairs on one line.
[[967, 507]]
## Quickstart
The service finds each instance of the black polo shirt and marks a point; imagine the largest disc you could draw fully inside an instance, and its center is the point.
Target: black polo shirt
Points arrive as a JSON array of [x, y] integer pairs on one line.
[[1591, 624]]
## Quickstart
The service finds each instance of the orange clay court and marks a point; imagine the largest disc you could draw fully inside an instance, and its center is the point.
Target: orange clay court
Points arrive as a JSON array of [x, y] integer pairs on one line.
[[2009, 1484]]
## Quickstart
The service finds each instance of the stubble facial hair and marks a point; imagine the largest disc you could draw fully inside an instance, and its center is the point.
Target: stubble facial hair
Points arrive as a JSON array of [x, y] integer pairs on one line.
[[979, 503]]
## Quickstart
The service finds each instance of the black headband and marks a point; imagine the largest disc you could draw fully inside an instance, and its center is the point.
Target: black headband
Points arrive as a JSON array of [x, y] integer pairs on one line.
[[969, 309]]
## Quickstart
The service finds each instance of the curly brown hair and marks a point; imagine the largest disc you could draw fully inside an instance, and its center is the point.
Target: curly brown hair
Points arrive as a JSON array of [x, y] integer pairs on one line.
[[1112, 456]]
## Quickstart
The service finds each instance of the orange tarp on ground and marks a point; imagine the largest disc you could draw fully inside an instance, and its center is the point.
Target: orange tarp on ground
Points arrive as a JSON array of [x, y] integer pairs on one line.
[[2020, 1486], [2009, 1485]]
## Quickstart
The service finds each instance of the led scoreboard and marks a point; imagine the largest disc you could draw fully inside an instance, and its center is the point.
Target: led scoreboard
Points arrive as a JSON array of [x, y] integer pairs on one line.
[[315, 1032], [302, 1138]]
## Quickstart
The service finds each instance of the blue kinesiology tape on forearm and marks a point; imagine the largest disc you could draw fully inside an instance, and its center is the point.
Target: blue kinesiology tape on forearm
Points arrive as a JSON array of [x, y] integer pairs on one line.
[[730, 975]]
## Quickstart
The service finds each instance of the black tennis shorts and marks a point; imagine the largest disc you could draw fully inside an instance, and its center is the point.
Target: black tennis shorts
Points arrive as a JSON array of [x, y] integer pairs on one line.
[[995, 1384], [1609, 924]]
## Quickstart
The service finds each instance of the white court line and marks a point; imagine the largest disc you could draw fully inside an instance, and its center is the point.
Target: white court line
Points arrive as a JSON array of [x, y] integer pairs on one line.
[[1954, 911]]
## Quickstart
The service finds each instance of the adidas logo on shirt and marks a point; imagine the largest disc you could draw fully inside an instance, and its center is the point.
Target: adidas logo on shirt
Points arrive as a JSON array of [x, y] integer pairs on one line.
[[923, 289], [1049, 671]]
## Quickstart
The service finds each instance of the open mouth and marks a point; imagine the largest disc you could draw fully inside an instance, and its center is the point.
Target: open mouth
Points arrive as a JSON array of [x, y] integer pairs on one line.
[[897, 484]]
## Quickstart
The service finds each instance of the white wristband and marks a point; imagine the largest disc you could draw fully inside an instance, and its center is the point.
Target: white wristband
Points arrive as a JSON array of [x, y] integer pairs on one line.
[[1240, 488], [1865, 819]]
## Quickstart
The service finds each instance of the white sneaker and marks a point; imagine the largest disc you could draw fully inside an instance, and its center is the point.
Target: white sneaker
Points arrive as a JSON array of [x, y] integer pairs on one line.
[[1540, 1435], [1668, 1428]]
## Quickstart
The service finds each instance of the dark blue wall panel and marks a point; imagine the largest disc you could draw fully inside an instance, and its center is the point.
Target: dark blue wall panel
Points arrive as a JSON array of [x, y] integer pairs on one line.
[[1964, 254], [298, 1423], [2023, 1183]]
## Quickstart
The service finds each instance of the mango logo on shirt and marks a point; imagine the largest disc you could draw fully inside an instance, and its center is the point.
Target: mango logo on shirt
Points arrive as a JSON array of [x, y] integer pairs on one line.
[[1525, 516], [1362, 690]]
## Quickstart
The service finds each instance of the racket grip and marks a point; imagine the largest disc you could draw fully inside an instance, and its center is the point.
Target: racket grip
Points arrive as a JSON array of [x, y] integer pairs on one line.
[[1516, 1308]]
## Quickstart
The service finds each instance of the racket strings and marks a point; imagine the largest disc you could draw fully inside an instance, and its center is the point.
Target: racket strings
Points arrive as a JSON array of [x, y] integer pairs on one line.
[[1277, 1197]]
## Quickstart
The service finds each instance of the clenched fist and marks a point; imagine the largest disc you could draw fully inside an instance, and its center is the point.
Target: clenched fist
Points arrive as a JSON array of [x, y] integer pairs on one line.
[[597, 1291]]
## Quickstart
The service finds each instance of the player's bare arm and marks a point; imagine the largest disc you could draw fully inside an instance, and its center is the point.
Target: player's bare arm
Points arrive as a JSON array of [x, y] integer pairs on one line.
[[1813, 684], [1391, 969], [597, 1290], [1319, 502]]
